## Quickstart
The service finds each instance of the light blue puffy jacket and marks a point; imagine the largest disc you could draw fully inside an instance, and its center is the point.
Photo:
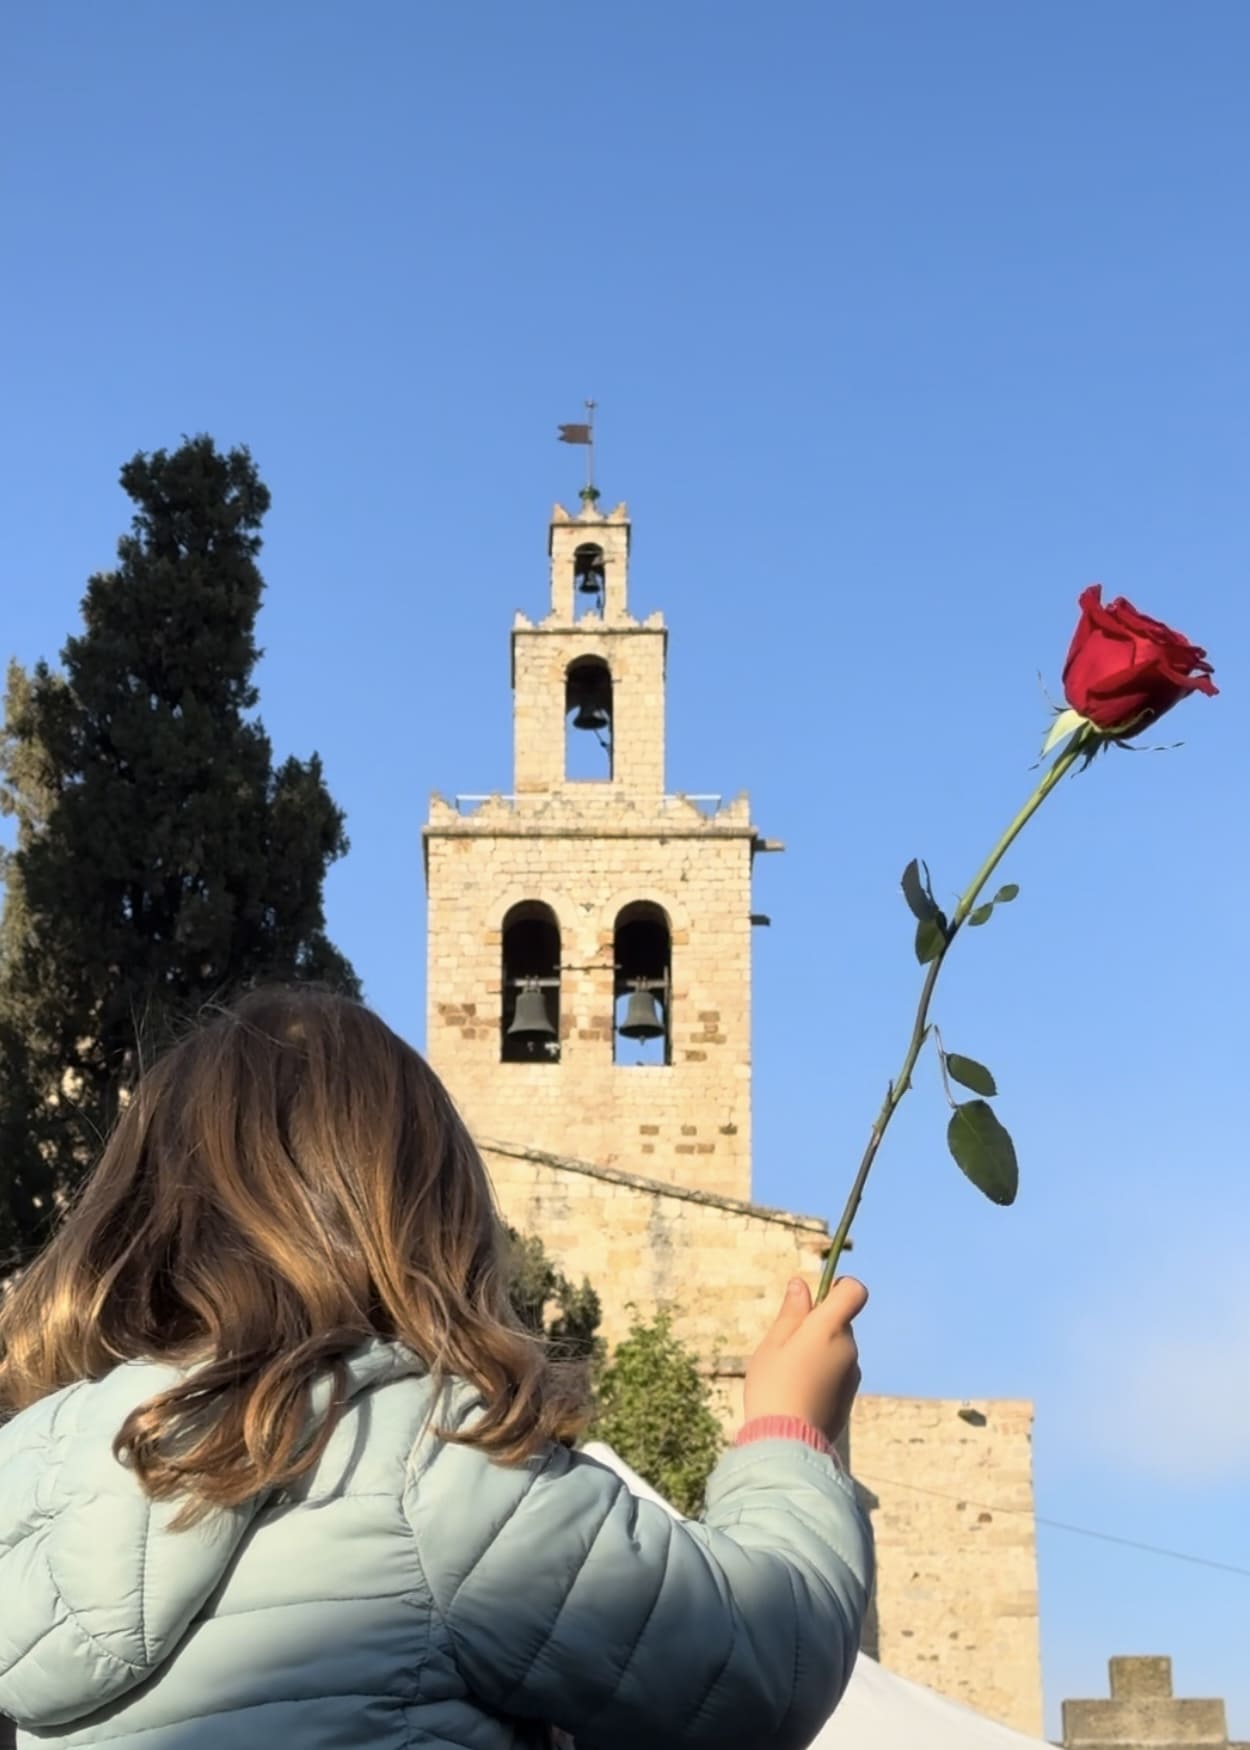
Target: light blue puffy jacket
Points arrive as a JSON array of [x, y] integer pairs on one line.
[[409, 1592]]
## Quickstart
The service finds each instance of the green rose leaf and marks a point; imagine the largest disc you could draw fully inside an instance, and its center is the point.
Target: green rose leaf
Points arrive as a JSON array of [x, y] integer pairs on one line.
[[984, 1151], [920, 900], [930, 939], [1005, 895], [970, 1074], [981, 915]]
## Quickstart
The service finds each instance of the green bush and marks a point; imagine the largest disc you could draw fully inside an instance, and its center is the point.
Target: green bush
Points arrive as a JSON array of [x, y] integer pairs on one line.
[[655, 1410], [547, 1303]]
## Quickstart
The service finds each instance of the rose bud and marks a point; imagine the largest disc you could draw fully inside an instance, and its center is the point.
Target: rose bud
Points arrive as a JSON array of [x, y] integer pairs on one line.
[[1124, 670]]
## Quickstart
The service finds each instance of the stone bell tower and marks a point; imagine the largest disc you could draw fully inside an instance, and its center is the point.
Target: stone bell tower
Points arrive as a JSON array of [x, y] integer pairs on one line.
[[590, 935]]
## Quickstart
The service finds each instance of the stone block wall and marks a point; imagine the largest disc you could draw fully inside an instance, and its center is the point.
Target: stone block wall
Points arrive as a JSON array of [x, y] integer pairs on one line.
[[634, 657], [719, 1265], [687, 1120], [947, 1485]]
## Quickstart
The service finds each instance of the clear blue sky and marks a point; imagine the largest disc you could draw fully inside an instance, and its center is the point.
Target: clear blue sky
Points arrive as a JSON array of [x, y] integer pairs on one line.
[[906, 321]]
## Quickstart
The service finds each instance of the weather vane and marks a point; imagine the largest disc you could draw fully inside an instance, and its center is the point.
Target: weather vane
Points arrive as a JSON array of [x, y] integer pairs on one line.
[[584, 434]]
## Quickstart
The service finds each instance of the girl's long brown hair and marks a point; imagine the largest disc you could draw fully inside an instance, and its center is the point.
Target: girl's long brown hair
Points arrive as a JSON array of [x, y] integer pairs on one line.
[[289, 1181]]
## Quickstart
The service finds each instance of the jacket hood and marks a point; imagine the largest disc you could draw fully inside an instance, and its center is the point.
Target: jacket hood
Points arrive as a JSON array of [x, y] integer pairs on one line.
[[96, 1591]]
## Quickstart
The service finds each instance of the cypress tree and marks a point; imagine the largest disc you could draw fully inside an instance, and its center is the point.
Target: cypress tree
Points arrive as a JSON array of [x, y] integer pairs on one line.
[[162, 860]]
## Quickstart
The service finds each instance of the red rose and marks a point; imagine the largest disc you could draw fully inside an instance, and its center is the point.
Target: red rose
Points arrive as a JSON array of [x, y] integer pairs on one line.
[[1124, 670]]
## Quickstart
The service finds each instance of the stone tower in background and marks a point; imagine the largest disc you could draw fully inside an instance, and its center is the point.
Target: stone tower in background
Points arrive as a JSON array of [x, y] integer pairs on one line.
[[589, 1006], [592, 901]]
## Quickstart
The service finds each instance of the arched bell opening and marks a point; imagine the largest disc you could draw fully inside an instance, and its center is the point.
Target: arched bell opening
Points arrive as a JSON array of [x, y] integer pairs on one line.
[[530, 1030], [643, 955], [588, 720], [589, 581]]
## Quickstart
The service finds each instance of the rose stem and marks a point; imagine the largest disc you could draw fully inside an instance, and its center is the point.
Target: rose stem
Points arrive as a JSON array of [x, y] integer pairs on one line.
[[920, 1026]]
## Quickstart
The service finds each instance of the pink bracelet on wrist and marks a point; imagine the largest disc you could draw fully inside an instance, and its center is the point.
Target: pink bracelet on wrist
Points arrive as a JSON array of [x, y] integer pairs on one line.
[[785, 1428]]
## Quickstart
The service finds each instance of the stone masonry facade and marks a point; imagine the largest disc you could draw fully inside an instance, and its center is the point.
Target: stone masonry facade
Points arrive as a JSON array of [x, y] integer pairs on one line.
[[637, 1175], [946, 1485], [688, 1120]]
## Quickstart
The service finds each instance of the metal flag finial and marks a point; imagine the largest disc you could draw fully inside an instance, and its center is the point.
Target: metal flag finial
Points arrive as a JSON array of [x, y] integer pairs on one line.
[[584, 434]]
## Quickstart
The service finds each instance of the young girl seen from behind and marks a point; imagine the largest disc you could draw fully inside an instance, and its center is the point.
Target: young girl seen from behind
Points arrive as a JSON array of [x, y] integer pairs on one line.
[[283, 1468]]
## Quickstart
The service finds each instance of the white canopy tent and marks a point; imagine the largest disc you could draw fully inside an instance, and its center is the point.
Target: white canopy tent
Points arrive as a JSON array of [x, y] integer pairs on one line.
[[879, 1711]]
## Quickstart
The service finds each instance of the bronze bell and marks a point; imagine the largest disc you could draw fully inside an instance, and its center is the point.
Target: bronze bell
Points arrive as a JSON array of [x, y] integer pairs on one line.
[[531, 1020], [591, 717], [588, 566], [642, 1017]]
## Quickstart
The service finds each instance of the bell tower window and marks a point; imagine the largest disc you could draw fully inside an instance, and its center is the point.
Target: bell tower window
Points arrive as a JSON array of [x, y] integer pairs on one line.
[[642, 1033], [589, 581], [588, 720], [530, 1029]]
